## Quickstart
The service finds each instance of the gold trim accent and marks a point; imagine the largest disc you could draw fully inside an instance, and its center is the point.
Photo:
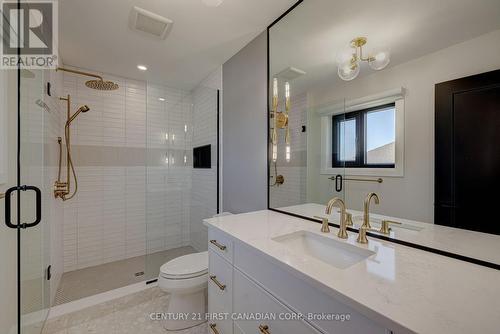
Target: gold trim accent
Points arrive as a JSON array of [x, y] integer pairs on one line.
[[324, 224], [342, 234], [348, 219], [281, 120], [212, 327], [362, 239], [218, 245], [221, 286], [2, 195], [384, 226], [358, 42], [378, 180], [366, 209], [99, 84], [264, 329]]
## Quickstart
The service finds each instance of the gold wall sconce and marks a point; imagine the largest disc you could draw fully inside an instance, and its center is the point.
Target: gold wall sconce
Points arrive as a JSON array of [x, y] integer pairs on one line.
[[349, 63], [280, 121]]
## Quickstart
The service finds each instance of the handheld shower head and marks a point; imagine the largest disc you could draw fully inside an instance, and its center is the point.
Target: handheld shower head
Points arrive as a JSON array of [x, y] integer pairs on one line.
[[83, 109]]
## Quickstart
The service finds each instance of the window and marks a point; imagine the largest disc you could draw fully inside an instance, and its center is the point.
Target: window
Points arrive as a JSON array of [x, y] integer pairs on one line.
[[365, 138]]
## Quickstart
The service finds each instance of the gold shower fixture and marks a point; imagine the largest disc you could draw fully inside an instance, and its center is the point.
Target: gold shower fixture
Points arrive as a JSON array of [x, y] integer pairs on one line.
[[63, 189], [99, 83], [349, 63]]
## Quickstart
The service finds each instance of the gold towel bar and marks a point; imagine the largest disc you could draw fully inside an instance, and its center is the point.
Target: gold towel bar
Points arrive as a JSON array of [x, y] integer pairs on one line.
[[379, 180]]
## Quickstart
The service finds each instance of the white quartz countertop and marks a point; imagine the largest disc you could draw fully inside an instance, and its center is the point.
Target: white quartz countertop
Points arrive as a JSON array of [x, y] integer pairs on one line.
[[403, 288], [476, 245]]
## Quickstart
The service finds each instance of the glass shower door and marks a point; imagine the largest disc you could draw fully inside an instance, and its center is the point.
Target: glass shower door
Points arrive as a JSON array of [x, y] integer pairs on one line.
[[23, 200], [34, 237]]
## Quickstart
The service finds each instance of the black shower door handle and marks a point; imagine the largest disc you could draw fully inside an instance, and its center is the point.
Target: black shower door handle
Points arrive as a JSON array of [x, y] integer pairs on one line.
[[338, 183], [38, 205]]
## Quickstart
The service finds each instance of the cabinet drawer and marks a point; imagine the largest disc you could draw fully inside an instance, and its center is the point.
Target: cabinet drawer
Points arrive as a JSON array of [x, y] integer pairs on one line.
[[250, 299], [221, 244], [220, 289], [304, 298]]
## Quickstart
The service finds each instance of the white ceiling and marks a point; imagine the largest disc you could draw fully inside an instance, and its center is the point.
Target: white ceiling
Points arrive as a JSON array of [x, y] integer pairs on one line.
[[310, 37], [94, 34]]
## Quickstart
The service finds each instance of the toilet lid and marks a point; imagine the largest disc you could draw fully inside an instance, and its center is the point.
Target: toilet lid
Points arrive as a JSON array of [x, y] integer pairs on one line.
[[186, 266]]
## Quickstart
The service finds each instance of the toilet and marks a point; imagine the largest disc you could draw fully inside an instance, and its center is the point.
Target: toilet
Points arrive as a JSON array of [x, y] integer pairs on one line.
[[185, 279]]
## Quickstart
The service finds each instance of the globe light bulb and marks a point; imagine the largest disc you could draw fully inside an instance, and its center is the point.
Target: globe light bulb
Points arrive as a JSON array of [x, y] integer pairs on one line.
[[347, 72], [380, 60]]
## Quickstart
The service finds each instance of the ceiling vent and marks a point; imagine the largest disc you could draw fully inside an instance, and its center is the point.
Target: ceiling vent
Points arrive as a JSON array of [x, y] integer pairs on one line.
[[150, 23]]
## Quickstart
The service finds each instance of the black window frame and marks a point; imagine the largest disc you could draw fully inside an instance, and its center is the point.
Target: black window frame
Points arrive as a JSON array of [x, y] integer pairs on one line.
[[360, 117]]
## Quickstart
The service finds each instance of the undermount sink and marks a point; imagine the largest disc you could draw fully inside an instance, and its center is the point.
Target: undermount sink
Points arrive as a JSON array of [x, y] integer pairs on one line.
[[330, 251]]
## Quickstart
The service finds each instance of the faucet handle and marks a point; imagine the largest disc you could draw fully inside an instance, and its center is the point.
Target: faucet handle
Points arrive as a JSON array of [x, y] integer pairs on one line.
[[362, 239], [348, 219], [324, 224], [384, 226]]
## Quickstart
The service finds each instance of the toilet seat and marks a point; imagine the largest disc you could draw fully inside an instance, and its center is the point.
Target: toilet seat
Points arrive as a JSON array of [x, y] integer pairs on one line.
[[185, 267]]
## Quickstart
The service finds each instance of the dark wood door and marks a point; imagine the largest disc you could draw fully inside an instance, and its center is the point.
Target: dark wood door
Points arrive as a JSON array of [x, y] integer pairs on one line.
[[467, 153]]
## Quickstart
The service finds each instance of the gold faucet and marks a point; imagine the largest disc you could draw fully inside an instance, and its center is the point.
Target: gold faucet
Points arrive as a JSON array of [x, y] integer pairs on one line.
[[362, 239], [366, 213], [341, 205]]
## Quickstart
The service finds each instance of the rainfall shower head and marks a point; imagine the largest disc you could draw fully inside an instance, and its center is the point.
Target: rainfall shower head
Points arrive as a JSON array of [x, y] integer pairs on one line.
[[101, 85], [97, 83]]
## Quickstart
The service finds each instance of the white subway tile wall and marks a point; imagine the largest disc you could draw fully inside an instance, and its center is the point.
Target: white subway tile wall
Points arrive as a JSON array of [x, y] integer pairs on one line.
[[204, 181], [133, 155]]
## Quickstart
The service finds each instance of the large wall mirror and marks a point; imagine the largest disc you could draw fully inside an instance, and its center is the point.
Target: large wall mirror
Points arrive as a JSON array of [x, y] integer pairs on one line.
[[400, 99]]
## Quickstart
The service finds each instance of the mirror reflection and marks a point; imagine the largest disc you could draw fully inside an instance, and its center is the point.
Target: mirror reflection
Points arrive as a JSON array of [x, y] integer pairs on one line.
[[395, 111]]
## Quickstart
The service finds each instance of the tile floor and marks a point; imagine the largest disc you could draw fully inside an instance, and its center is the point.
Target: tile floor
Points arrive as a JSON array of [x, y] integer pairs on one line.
[[109, 276], [126, 315]]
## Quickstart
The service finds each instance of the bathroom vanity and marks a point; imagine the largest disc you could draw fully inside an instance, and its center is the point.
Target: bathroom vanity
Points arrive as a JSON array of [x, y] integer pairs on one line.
[[273, 273]]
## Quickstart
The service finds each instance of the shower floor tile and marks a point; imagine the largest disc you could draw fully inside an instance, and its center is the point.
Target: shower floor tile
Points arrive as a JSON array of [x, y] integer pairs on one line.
[[89, 281]]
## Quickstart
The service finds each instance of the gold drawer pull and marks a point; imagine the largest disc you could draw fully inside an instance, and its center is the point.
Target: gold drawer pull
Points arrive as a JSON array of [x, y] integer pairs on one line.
[[218, 245], [219, 284], [214, 330], [264, 329]]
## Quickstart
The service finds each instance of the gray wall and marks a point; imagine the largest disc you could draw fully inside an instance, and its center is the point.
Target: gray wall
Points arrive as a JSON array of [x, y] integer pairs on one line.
[[245, 128]]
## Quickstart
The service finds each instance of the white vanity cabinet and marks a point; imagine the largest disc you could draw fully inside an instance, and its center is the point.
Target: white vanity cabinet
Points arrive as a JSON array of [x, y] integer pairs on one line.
[[261, 297]]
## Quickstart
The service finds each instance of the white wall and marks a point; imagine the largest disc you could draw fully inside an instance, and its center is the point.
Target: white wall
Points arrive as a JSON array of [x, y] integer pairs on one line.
[[411, 196], [245, 128]]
